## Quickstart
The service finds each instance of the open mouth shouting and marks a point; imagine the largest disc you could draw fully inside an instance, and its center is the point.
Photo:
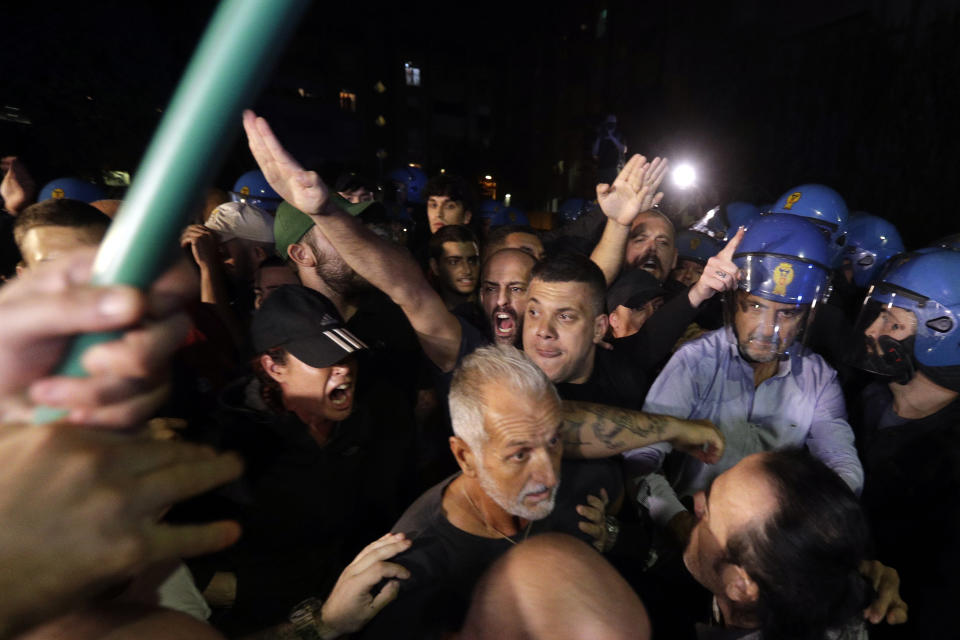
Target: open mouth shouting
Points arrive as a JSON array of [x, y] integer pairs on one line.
[[340, 397], [505, 325]]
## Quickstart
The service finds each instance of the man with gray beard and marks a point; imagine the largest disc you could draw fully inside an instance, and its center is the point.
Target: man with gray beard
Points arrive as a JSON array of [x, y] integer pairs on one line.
[[510, 433]]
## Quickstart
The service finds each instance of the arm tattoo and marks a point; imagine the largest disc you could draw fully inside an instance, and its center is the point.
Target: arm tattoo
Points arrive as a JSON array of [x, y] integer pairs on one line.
[[601, 430]]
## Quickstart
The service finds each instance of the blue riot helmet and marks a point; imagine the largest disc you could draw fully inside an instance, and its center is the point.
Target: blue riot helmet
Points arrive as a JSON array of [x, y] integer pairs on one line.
[[784, 262], [414, 181], [489, 208], [822, 206], [871, 241], [696, 246], [571, 209], [509, 216], [909, 320], [253, 188], [72, 188], [693, 250], [739, 214]]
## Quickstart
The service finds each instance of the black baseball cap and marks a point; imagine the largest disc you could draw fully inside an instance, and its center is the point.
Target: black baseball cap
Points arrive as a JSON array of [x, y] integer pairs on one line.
[[633, 289], [306, 324]]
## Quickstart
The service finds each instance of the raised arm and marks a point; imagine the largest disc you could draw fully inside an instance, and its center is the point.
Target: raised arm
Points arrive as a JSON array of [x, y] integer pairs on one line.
[[386, 266], [633, 191], [596, 431]]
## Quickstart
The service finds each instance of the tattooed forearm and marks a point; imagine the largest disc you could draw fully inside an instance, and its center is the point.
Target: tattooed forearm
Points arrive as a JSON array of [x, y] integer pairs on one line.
[[593, 430]]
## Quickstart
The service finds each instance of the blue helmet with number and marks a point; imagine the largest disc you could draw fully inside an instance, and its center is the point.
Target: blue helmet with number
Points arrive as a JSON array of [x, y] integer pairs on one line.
[[871, 242], [785, 259], [72, 188], [927, 284], [696, 246], [252, 187], [821, 205], [413, 179]]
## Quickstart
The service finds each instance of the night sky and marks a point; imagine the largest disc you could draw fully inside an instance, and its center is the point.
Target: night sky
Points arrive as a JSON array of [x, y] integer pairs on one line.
[[859, 95]]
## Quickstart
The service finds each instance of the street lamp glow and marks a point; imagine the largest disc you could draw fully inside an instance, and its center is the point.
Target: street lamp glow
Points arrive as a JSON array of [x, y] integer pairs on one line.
[[684, 176]]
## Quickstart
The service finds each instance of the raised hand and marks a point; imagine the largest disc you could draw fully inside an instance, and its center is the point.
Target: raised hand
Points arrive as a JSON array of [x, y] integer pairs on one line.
[[351, 605], [633, 191], [17, 188], [202, 243], [720, 273], [303, 189]]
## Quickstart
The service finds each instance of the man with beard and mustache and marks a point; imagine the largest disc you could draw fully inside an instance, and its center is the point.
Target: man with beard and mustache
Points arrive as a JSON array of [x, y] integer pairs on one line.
[[754, 378], [367, 312], [509, 437]]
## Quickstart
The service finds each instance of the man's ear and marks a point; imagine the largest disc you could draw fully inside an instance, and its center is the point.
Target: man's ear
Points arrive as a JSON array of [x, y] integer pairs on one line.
[[600, 324], [302, 255], [434, 269], [273, 369], [738, 586], [466, 216], [613, 319], [464, 456]]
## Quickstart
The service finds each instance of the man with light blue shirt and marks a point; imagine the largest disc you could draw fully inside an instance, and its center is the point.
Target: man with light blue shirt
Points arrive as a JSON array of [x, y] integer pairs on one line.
[[753, 378]]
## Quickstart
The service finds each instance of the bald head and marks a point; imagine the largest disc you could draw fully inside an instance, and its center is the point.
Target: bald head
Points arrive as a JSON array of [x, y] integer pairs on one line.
[[652, 245], [519, 598], [503, 292]]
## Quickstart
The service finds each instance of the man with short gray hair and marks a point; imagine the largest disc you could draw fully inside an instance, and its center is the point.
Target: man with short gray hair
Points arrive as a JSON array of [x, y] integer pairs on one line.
[[511, 432]]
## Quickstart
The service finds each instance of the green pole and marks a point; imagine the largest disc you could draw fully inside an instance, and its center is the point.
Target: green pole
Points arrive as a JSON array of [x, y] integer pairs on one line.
[[234, 56]]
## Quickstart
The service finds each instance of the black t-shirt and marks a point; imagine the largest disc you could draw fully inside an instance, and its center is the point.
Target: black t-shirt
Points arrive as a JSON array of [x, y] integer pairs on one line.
[[394, 354], [306, 509], [910, 494], [445, 562]]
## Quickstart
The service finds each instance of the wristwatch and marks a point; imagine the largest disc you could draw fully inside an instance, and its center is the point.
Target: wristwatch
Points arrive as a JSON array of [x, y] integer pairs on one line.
[[305, 617], [612, 526]]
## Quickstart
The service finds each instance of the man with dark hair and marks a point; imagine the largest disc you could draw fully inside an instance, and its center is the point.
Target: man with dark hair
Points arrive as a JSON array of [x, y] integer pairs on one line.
[[455, 264], [514, 236], [621, 377], [449, 201], [45, 230], [780, 542], [354, 188]]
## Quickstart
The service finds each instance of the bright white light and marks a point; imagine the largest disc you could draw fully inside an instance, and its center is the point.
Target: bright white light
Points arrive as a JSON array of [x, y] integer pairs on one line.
[[684, 176], [506, 200], [488, 177]]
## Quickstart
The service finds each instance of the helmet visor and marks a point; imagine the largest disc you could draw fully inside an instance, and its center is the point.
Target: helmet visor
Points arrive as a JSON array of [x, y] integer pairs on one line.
[[766, 330]]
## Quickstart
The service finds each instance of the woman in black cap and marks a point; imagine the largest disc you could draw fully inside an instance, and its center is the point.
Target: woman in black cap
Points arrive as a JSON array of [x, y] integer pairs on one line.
[[328, 470]]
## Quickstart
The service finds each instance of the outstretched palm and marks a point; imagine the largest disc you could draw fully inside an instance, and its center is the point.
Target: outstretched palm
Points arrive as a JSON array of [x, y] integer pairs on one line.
[[303, 189], [633, 191]]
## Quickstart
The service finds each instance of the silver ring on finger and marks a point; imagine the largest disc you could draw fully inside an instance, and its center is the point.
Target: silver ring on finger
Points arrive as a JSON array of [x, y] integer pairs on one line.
[[721, 274]]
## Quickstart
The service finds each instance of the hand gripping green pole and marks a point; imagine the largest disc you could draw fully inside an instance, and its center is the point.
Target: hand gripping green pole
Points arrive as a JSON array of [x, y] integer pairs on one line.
[[235, 54]]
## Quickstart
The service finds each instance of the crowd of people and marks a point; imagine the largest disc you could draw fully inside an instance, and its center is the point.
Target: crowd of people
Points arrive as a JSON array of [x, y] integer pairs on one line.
[[335, 416]]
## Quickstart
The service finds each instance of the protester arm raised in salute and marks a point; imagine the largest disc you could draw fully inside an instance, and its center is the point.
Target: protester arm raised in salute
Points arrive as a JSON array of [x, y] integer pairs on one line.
[[384, 265], [633, 191]]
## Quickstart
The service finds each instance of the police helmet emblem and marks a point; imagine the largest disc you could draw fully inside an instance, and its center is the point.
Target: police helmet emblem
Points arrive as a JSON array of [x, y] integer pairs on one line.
[[792, 200], [245, 190], [58, 194], [694, 243], [782, 276]]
